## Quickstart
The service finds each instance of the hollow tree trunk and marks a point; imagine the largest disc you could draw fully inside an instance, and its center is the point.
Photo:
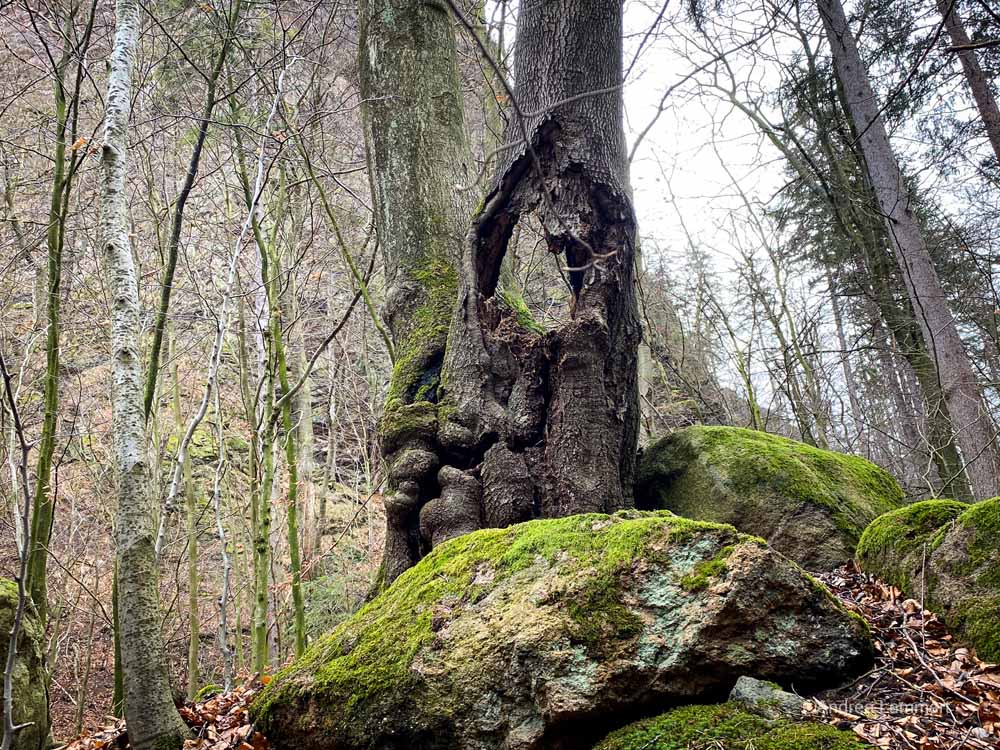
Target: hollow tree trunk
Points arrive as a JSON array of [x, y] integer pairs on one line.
[[498, 421], [545, 424], [975, 432], [153, 722]]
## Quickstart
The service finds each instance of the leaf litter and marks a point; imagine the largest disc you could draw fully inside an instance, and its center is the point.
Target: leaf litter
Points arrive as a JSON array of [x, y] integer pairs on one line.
[[925, 692]]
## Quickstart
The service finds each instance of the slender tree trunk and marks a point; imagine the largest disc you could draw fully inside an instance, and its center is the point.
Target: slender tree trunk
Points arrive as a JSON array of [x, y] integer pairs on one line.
[[857, 414], [225, 650], [975, 432], [153, 722], [177, 222], [272, 277], [43, 507], [191, 518], [262, 526], [303, 412], [979, 84]]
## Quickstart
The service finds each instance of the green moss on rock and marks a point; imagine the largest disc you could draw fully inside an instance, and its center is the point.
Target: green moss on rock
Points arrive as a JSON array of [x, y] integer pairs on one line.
[[949, 553], [726, 727], [808, 503], [890, 539], [705, 572], [201, 449], [29, 693], [506, 635]]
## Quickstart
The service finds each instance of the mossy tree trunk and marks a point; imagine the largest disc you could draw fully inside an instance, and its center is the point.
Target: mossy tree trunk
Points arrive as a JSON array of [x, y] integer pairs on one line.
[[491, 420], [66, 161], [545, 423], [418, 155]]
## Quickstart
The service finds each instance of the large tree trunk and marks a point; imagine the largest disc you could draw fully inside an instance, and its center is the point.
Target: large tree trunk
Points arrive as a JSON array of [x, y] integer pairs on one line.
[[517, 423], [975, 432], [153, 722], [978, 82], [546, 424]]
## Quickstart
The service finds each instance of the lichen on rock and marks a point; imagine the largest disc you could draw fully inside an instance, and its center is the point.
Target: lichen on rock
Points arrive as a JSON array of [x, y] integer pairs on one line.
[[810, 504], [528, 636]]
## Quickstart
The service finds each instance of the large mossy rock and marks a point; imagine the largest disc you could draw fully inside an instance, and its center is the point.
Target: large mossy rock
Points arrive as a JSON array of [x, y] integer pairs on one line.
[[809, 504], [537, 635], [728, 727], [31, 705], [949, 553]]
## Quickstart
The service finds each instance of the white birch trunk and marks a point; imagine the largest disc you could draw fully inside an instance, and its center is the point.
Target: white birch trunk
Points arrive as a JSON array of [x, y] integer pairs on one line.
[[153, 722]]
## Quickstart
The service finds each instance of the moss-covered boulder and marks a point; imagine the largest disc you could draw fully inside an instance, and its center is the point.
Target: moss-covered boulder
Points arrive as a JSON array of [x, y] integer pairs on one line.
[[809, 504], [949, 553], [727, 727], [894, 544], [31, 705], [533, 635]]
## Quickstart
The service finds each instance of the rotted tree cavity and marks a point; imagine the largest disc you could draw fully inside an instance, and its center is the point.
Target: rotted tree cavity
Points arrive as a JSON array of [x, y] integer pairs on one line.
[[523, 422]]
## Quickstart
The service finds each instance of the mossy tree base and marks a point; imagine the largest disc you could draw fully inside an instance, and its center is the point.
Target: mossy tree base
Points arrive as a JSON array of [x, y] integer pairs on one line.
[[31, 700], [948, 553], [539, 634], [490, 419], [810, 504]]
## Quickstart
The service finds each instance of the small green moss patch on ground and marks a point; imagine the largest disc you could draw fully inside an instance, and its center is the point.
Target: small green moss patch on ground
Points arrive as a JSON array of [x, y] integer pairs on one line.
[[726, 727]]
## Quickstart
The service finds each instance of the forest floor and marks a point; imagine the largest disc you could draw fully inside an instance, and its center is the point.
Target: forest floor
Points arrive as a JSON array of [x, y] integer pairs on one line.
[[925, 692]]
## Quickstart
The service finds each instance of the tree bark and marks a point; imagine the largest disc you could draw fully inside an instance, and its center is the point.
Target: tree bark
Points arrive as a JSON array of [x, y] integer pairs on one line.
[[975, 432], [979, 84], [153, 722], [546, 424], [491, 420], [418, 158]]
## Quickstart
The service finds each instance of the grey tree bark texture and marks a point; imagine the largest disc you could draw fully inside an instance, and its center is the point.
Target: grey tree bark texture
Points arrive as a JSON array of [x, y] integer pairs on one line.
[[518, 422], [153, 721], [974, 431], [979, 84]]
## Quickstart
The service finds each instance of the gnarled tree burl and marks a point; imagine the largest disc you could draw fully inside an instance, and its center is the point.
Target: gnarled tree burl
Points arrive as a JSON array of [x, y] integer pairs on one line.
[[490, 420]]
